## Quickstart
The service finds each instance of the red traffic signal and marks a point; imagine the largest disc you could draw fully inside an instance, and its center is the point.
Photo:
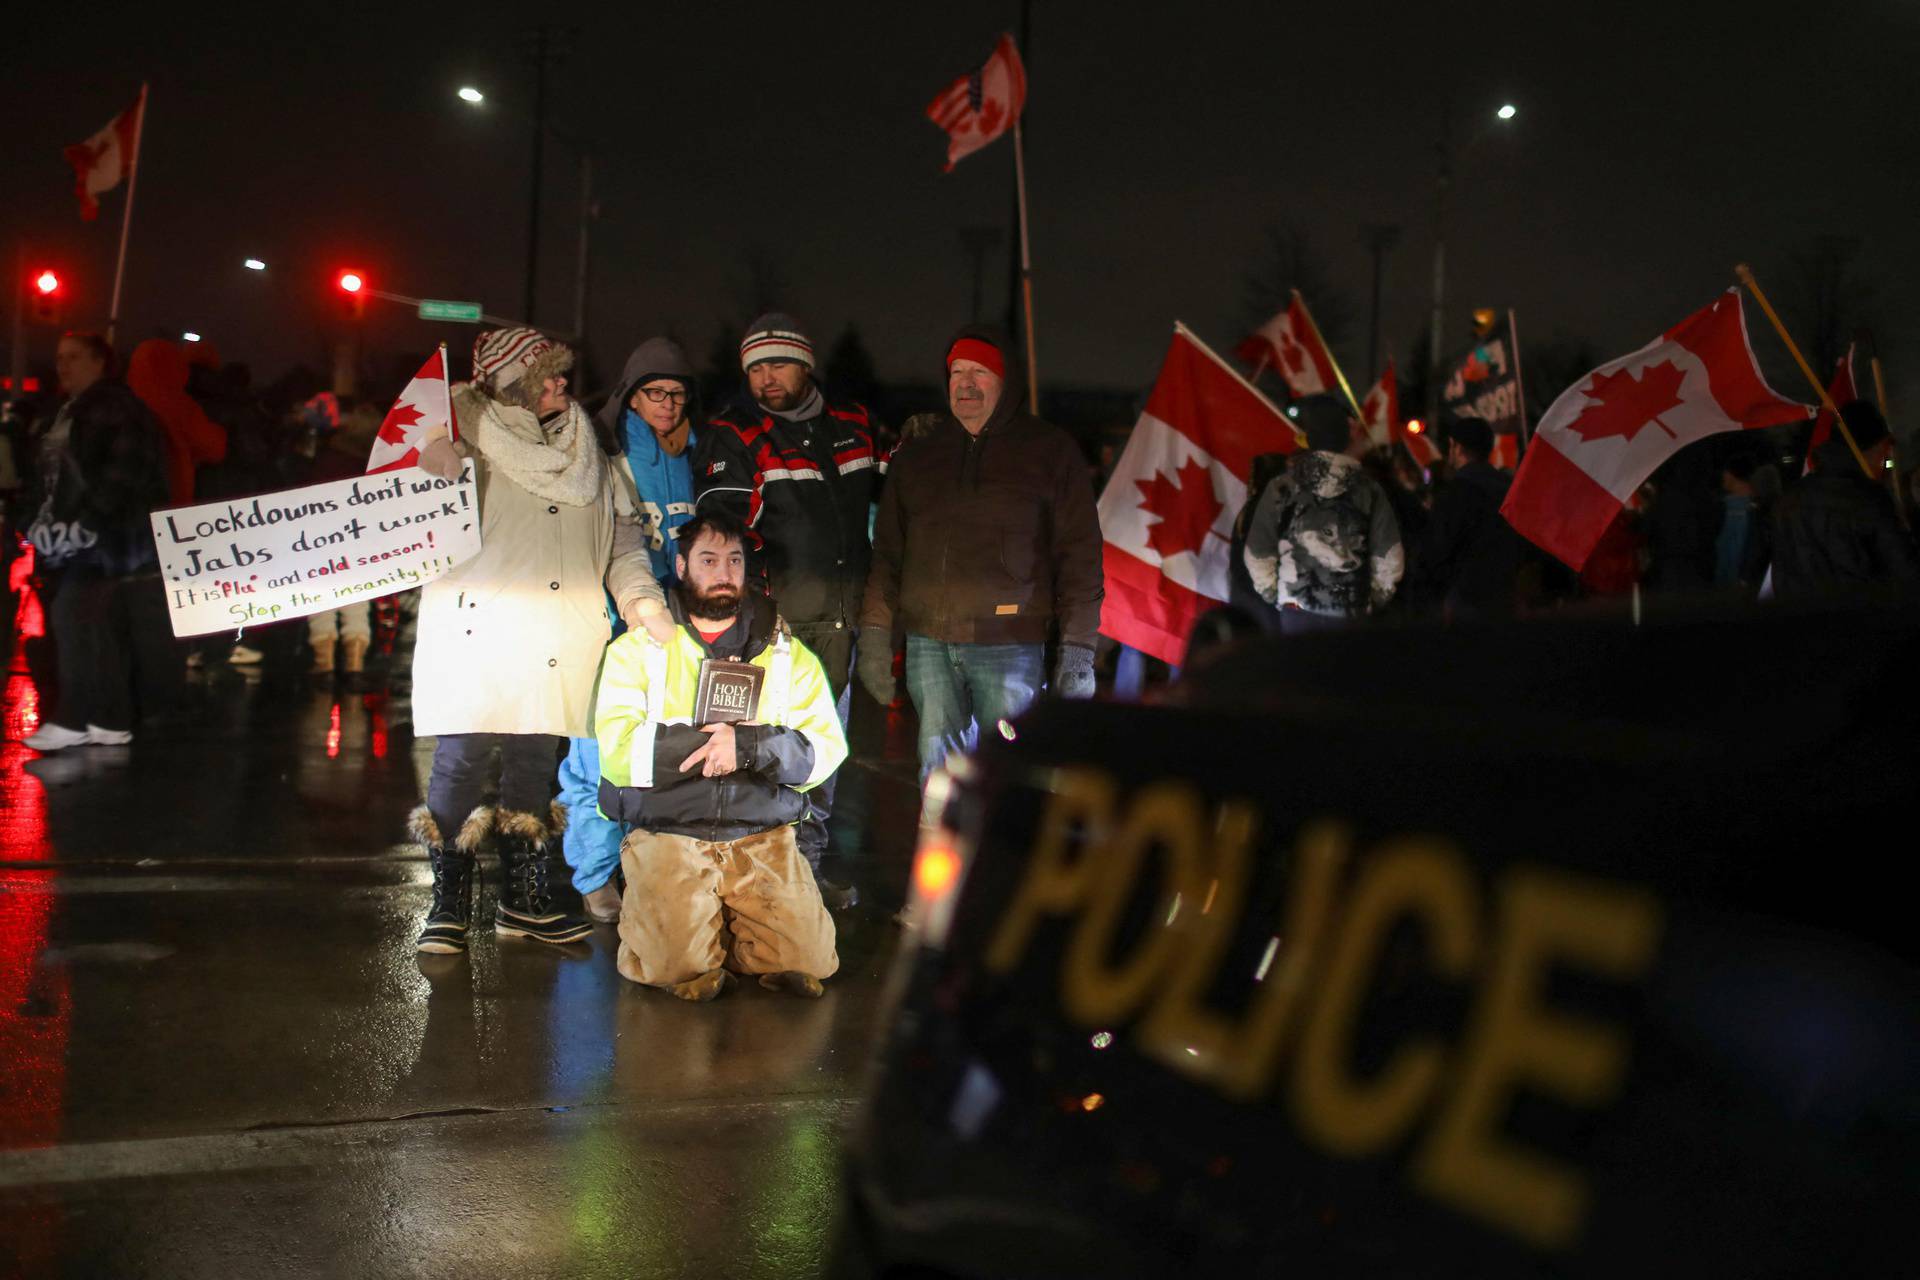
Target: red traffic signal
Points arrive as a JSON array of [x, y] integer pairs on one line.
[[1415, 426], [45, 296], [351, 282]]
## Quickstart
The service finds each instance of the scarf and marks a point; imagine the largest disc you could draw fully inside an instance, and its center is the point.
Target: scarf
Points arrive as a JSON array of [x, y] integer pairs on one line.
[[561, 463], [811, 407]]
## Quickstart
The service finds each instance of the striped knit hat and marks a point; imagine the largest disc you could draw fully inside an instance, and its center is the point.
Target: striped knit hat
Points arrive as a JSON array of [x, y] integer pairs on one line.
[[775, 337], [502, 356]]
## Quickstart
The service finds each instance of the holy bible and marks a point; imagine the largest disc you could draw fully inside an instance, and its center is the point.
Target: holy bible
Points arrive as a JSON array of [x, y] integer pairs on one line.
[[727, 691]]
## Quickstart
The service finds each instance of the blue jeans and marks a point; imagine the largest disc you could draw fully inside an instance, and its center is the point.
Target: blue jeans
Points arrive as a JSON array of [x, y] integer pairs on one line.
[[592, 843], [956, 688]]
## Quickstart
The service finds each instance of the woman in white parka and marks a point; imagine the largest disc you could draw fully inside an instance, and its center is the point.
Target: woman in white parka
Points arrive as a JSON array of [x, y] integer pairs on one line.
[[510, 641]]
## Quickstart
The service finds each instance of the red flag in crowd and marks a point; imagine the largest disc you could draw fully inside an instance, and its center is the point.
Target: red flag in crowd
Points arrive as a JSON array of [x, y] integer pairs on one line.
[[103, 160], [1380, 410], [1168, 510], [1608, 432], [1290, 343], [1418, 437], [424, 403], [1844, 387], [977, 108]]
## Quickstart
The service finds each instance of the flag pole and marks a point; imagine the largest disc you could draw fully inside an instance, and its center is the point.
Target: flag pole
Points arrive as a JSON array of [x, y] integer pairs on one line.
[[1026, 264], [126, 214], [1259, 365], [1339, 377], [1519, 381], [1745, 273], [446, 386]]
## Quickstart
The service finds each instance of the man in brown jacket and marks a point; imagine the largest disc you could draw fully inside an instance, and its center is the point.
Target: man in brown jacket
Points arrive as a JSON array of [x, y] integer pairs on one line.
[[985, 543]]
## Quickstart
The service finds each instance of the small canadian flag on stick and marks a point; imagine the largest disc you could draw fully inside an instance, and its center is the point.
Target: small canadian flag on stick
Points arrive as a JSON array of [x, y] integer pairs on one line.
[[1290, 343], [102, 161], [425, 403]]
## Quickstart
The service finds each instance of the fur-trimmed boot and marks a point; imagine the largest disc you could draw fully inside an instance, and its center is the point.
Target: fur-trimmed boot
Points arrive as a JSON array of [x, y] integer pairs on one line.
[[445, 932], [535, 892]]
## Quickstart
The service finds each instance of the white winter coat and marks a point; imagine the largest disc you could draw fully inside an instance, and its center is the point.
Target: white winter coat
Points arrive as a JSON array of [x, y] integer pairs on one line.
[[510, 641]]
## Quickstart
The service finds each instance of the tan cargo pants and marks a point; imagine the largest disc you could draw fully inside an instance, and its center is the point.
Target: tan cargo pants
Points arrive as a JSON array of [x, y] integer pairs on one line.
[[750, 905]]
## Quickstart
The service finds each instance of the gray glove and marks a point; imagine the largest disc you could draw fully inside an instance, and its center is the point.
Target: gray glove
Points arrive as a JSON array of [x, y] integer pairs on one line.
[[874, 662], [441, 459], [1073, 672]]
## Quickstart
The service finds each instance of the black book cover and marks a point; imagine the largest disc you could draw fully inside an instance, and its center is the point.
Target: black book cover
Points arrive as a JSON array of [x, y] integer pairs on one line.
[[727, 691]]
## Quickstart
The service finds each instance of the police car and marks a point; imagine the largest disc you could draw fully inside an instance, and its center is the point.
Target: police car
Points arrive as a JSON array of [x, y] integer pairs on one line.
[[1573, 949]]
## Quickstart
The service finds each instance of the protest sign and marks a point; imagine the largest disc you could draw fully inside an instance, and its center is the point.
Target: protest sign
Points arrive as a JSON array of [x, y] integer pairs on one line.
[[251, 561]]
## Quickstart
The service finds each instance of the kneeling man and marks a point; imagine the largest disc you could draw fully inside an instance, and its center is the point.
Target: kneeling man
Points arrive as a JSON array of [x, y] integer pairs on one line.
[[716, 884]]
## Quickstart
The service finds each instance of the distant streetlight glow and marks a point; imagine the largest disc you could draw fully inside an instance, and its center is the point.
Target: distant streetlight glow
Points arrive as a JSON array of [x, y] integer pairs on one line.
[[191, 336], [254, 264], [470, 94], [1508, 112]]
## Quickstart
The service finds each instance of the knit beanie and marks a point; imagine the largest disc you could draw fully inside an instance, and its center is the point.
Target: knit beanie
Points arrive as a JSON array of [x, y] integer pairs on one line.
[[501, 357], [1325, 420], [1473, 434], [1864, 423], [775, 337]]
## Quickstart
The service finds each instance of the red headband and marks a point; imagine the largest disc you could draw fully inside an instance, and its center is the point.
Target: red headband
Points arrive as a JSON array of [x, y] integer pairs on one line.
[[979, 351]]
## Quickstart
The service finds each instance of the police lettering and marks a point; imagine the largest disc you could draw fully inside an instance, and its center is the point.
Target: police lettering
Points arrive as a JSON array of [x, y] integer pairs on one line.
[[1295, 1040]]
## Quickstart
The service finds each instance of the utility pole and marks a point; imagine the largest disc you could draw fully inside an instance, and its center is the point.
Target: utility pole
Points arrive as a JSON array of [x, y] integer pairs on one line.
[[1378, 237], [588, 212], [545, 50], [1436, 335], [17, 357]]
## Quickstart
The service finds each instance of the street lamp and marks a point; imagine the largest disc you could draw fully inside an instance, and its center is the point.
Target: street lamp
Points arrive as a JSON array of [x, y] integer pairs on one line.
[[470, 94], [1436, 333], [254, 264], [190, 336]]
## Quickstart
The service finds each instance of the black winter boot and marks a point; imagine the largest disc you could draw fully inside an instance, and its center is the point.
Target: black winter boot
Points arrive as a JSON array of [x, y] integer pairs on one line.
[[445, 932], [535, 895]]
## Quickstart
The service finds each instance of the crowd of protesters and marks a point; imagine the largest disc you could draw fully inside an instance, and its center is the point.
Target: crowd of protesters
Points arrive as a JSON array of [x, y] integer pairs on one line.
[[787, 530]]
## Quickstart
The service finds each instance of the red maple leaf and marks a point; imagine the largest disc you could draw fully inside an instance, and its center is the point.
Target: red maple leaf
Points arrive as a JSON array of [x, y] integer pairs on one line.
[[1185, 506], [990, 112], [1625, 406], [1475, 369], [1292, 354], [393, 428]]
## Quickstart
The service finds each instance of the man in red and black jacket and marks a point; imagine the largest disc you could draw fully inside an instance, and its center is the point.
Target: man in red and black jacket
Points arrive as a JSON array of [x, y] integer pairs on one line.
[[802, 472]]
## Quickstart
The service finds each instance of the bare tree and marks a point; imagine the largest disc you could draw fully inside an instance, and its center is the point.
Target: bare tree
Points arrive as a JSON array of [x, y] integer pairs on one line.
[[1826, 302], [1289, 261]]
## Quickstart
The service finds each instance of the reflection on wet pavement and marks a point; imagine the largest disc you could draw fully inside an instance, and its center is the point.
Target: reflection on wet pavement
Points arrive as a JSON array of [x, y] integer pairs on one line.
[[220, 1054]]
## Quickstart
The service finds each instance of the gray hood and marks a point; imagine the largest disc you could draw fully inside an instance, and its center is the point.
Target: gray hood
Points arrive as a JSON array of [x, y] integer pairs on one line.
[[654, 358]]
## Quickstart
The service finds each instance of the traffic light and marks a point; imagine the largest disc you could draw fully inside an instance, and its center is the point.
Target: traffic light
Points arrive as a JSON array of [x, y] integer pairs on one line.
[[45, 292], [353, 284], [1415, 426]]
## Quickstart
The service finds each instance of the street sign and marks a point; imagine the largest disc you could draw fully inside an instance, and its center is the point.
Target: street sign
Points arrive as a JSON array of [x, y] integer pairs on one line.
[[438, 309]]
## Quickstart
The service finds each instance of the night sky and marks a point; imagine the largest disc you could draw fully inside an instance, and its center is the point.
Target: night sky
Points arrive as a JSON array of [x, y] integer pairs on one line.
[[1655, 146]]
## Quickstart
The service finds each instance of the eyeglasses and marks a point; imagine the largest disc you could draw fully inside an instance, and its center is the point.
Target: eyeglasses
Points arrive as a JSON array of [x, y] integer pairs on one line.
[[660, 395]]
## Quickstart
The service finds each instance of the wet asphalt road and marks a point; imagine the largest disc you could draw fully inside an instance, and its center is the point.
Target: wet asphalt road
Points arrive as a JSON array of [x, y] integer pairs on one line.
[[220, 1054]]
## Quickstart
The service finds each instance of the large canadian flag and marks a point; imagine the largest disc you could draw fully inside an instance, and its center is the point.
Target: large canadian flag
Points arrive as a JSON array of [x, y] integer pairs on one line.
[[1291, 344], [103, 160], [426, 402], [982, 105], [1608, 432], [1168, 510]]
